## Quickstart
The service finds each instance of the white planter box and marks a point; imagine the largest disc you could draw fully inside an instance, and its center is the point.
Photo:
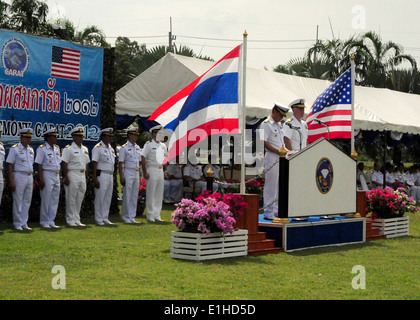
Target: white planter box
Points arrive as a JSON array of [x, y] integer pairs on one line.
[[391, 228], [199, 246]]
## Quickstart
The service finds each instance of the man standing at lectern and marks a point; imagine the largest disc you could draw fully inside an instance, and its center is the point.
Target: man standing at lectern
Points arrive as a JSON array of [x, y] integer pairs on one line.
[[295, 129], [273, 141]]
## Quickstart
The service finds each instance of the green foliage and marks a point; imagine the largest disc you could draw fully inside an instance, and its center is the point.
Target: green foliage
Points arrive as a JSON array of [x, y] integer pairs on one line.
[[132, 262]]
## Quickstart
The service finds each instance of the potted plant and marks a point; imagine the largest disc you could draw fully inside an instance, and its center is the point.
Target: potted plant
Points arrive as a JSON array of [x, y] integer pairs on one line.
[[387, 208], [207, 228]]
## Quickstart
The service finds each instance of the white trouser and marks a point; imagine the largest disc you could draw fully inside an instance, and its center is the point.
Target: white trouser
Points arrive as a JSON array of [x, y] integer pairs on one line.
[[154, 192], [173, 189], [1, 184], [50, 196], [103, 196], [22, 198], [271, 185], [75, 193], [415, 193], [130, 194]]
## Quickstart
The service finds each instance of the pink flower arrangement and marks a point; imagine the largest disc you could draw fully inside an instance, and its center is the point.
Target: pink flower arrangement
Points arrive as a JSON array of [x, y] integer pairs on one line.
[[389, 203], [209, 213], [142, 190]]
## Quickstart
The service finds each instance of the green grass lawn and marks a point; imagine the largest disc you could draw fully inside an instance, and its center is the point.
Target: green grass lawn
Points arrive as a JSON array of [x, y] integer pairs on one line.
[[133, 262]]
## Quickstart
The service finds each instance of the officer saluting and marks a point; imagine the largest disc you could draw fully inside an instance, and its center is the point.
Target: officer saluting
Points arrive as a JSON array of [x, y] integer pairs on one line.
[[48, 159], [75, 160], [21, 160], [273, 141], [103, 160], [129, 167], [295, 129], [154, 152], [2, 157]]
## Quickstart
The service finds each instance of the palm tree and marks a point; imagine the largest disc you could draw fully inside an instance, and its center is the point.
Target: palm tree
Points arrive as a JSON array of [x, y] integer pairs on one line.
[[93, 36], [376, 59], [28, 15]]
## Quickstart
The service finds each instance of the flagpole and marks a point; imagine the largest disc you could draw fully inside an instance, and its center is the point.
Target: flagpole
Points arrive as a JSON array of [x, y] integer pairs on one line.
[[242, 108], [353, 73]]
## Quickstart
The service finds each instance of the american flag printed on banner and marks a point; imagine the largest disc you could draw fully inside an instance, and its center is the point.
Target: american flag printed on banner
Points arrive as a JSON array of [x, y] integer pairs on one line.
[[333, 107], [65, 63]]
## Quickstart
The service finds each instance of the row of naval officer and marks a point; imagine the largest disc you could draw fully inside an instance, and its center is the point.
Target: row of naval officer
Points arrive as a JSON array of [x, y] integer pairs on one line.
[[73, 164]]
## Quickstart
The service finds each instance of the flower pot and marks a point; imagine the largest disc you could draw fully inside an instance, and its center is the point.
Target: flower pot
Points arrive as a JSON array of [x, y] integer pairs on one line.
[[201, 246], [391, 228]]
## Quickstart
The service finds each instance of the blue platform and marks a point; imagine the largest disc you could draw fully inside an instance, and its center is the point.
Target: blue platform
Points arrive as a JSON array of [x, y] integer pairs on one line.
[[315, 232]]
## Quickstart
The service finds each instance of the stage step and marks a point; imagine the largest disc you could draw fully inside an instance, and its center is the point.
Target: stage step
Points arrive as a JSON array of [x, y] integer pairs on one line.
[[258, 244], [372, 233]]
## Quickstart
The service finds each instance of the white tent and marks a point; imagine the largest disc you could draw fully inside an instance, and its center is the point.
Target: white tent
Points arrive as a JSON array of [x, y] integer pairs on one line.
[[375, 109]]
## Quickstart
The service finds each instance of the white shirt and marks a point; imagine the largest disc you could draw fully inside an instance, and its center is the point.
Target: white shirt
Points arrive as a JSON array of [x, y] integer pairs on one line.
[[175, 171], [22, 158], [294, 135], [75, 157], [377, 176], [193, 171], [273, 133], [48, 157], [104, 156], [155, 153], [130, 155], [2, 155], [389, 177]]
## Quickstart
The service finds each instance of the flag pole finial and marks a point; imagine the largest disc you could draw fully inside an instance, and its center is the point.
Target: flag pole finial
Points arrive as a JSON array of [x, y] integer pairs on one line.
[[352, 57], [245, 34]]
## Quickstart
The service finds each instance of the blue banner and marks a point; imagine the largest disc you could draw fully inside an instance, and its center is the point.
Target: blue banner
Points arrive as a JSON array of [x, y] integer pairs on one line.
[[47, 83]]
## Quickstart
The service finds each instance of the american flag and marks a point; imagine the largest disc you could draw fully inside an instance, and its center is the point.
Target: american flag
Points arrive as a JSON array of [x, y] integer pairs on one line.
[[333, 107], [65, 63]]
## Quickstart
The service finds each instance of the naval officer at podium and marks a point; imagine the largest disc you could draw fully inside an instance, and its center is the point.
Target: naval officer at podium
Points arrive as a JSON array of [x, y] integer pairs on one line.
[[295, 129], [273, 141]]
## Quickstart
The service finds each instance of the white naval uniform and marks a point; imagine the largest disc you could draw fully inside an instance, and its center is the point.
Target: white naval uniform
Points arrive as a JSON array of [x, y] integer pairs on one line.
[[410, 179], [130, 156], [23, 161], [173, 190], [273, 134], [378, 177], [2, 158], [77, 160], [154, 153], [105, 158], [294, 135], [49, 158], [196, 173]]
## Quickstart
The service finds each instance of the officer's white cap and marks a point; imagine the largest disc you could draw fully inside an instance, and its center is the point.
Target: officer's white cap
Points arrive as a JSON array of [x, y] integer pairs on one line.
[[107, 132], [77, 131], [281, 108], [133, 131], [25, 132], [51, 132], [298, 103], [158, 127]]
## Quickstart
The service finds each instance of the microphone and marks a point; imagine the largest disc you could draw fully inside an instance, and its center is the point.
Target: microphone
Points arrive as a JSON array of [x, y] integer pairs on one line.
[[319, 121], [292, 126]]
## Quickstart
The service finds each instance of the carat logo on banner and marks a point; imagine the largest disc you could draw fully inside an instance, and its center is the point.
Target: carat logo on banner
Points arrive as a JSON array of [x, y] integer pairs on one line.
[[207, 106]]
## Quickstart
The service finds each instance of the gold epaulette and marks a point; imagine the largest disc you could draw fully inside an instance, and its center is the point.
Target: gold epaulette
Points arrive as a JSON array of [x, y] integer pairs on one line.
[[15, 145], [42, 146], [289, 120]]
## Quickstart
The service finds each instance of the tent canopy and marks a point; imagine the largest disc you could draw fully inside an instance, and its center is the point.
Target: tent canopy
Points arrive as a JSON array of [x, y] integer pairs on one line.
[[375, 109]]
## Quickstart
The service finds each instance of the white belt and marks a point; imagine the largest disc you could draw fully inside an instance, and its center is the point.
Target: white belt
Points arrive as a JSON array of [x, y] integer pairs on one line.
[[106, 171], [158, 167], [55, 171], [77, 170], [25, 172], [134, 169]]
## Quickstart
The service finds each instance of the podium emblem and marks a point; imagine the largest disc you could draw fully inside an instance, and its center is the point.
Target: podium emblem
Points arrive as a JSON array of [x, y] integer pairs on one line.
[[324, 175]]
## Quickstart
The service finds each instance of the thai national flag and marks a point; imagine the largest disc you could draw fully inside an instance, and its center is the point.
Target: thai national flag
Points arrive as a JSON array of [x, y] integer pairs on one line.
[[208, 105]]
